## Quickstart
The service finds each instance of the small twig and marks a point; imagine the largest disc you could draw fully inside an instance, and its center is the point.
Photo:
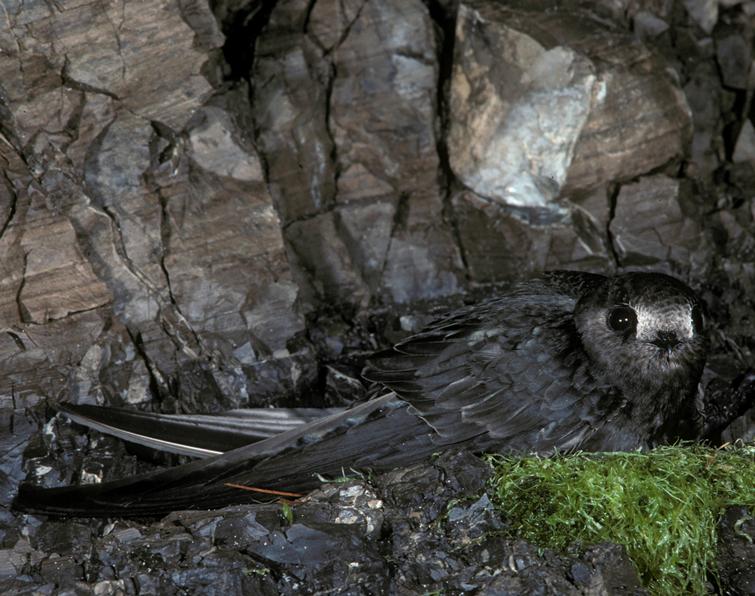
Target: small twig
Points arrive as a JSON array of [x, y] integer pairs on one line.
[[267, 491]]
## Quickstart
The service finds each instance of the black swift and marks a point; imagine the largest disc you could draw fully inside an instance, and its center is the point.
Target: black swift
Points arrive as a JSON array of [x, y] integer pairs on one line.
[[564, 362]]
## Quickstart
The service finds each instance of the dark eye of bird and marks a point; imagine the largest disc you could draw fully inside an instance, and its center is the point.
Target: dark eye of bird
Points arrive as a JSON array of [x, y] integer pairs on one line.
[[697, 319], [622, 318]]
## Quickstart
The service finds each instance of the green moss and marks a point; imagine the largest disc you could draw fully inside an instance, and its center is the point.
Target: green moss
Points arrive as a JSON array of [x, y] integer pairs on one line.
[[662, 505]]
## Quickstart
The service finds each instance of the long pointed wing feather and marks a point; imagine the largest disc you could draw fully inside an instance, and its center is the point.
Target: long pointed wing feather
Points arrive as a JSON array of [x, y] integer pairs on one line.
[[193, 435], [380, 433]]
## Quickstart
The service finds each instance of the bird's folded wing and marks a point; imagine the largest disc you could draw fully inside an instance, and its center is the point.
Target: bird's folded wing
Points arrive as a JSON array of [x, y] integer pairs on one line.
[[193, 435], [380, 432], [510, 370]]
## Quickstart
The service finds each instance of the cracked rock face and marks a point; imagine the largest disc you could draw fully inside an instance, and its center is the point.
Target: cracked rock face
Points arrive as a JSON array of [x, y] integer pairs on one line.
[[350, 98], [141, 248], [179, 227], [650, 225], [503, 244]]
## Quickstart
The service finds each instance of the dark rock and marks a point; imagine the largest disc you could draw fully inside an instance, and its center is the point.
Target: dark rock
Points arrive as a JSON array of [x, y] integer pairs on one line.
[[429, 527], [24, 585], [501, 244], [704, 94], [65, 570], [736, 551], [62, 537], [221, 571], [612, 570], [650, 226], [328, 539], [734, 56], [16, 429]]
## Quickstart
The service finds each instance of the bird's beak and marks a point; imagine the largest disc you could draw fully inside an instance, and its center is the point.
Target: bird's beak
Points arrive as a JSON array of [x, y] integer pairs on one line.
[[667, 342]]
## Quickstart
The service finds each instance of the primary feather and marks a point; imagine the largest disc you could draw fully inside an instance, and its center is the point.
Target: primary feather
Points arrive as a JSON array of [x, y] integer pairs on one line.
[[195, 435]]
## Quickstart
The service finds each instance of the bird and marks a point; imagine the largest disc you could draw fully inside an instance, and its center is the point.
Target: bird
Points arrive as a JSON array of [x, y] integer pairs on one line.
[[561, 362]]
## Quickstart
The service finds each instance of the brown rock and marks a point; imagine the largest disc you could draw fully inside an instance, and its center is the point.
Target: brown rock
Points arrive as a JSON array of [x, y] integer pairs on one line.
[[350, 99], [321, 252], [551, 102], [422, 263], [213, 146], [642, 123], [291, 80], [114, 175], [329, 21], [141, 55], [500, 244], [56, 279], [225, 258], [383, 113], [35, 360], [367, 229], [134, 219], [650, 225]]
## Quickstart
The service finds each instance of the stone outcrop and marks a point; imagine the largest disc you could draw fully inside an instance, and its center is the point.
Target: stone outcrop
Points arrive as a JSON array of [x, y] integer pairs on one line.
[[347, 92], [545, 104], [140, 241]]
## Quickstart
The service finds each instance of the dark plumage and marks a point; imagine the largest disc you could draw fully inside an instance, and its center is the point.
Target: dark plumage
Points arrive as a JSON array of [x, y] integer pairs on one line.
[[567, 361]]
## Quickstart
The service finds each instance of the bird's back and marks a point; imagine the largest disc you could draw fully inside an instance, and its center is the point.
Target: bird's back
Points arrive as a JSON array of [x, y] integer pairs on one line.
[[509, 374]]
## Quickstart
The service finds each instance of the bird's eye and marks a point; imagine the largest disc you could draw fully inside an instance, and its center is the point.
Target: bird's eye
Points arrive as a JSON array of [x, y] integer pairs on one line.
[[697, 319], [622, 318]]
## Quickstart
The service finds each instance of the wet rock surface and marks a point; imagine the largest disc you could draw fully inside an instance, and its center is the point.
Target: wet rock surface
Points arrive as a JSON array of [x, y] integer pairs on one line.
[[206, 206], [736, 549], [427, 528]]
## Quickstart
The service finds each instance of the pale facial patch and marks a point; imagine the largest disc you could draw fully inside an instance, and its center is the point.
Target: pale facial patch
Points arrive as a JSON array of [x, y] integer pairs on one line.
[[676, 318]]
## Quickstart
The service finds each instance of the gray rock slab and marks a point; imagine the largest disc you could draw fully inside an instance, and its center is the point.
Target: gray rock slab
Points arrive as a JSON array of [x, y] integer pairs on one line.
[[544, 103]]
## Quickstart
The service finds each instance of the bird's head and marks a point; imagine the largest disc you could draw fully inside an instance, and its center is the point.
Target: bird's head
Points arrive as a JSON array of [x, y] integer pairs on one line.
[[644, 330]]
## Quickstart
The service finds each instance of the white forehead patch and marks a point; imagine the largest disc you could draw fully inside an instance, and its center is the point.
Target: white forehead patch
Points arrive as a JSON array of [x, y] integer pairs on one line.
[[676, 318]]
